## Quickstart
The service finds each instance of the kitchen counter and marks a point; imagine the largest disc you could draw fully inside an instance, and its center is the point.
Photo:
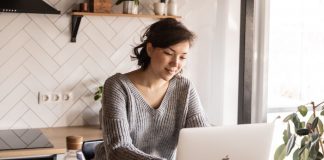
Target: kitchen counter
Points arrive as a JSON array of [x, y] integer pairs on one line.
[[57, 137]]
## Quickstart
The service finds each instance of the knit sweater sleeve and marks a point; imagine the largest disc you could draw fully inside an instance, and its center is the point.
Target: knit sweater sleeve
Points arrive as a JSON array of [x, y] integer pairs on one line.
[[117, 141], [196, 116]]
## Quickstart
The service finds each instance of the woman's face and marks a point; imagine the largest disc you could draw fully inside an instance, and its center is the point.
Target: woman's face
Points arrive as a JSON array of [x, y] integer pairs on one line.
[[167, 62]]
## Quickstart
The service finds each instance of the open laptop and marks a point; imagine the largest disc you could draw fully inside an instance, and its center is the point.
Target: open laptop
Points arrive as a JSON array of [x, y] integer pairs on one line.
[[238, 142]]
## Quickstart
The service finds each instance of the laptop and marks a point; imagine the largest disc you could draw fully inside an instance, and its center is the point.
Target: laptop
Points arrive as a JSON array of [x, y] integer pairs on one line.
[[238, 142]]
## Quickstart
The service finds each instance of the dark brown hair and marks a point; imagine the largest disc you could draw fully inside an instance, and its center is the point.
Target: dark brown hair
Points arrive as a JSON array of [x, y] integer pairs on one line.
[[162, 34]]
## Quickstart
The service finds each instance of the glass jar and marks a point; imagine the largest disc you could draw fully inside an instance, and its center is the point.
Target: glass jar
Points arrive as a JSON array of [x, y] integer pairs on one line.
[[74, 145]]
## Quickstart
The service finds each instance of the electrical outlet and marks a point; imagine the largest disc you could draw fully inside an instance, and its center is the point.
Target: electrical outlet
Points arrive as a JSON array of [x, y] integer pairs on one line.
[[43, 98], [69, 96], [55, 97]]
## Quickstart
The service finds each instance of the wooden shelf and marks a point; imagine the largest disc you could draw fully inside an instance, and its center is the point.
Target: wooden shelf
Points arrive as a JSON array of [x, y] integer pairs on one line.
[[77, 16], [121, 15]]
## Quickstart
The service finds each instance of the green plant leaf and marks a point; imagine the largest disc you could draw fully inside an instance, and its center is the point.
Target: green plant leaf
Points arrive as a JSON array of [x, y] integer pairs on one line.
[[311, 148], [285, 136], [303, 110], [322, 112], [302, 124], [296, 122], [309, 126], [304, 155], [314, 123], [291, 144], [303, 141], [320, 126], [296, 154], [101, 89], [314, 136], [96, 97], [300, 151], [311, 119], [280, 152], [289, 117], [314, 150], [288, 130]]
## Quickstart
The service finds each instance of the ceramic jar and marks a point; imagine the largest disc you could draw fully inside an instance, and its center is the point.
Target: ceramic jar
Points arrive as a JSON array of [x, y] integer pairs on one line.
[[172, 9]]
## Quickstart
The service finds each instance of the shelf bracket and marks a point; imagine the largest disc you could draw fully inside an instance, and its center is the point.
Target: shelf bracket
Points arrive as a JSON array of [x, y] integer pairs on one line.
[[76, 20]]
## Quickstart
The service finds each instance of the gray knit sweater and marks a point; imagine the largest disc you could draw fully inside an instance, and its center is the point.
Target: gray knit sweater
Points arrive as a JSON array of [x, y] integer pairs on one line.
[[132, 130]]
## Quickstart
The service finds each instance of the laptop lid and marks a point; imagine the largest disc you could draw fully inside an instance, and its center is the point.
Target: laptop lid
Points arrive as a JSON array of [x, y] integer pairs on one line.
[[239, 142]]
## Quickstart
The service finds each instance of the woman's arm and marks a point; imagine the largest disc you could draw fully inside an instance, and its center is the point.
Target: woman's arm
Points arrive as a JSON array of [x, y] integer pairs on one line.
[[117, 140], [196, 116]]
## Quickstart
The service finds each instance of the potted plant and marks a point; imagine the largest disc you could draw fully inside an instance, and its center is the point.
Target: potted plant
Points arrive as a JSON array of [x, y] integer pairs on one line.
[[98, 96], [129, 6], [303, 140]]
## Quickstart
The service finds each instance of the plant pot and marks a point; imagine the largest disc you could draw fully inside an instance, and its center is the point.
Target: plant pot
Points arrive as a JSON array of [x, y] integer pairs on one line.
[[129, 7]]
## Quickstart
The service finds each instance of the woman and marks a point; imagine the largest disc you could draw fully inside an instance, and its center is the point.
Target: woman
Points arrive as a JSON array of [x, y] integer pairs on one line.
[[144, 110]]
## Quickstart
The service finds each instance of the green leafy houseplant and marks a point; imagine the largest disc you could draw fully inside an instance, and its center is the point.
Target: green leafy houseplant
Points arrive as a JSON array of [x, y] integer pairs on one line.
[[98, 96], [303, 139]]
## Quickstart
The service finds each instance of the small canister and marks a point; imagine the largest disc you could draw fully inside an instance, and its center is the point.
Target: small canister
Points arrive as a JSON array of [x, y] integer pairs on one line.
[[172, 9], [84, 7]]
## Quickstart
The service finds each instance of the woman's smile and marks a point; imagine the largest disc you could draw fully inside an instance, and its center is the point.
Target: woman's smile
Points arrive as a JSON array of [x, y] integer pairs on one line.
[[171, 71]]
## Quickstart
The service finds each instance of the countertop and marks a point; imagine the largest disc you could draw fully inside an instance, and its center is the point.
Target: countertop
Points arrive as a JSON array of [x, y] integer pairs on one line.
[[57, 137]]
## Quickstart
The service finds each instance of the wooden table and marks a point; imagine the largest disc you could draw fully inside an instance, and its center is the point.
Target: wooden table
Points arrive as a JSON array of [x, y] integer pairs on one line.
[[57, 137]]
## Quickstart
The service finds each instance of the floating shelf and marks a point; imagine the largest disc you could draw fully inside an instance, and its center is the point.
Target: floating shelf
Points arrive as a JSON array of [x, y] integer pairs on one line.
[[77, 16]]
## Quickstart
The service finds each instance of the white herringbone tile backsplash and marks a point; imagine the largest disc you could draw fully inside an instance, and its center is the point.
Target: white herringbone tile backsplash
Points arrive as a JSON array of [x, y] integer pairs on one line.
[[37, 56]]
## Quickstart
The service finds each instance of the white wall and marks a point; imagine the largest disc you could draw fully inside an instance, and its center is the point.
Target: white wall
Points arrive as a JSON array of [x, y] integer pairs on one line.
[[215, 59], [36, 55]]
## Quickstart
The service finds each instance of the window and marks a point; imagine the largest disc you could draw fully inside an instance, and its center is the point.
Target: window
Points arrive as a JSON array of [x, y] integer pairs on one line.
[[296, 55]]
